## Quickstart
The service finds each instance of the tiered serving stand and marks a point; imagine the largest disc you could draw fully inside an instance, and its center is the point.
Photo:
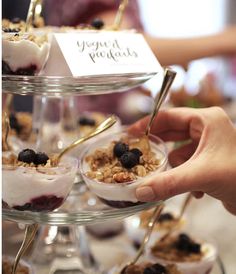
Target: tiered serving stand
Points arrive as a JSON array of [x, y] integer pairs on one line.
[[80, 208]]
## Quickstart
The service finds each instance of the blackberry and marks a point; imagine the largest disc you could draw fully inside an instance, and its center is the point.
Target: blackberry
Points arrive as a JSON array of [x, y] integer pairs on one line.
[[120, 148], [128, 160], [155, 269], [166, 217], [97, 23], [27, 156], [86, 121], [41, 158]]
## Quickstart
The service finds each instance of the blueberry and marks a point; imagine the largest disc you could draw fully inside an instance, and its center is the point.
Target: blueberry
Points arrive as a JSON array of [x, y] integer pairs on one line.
[[41, 158], [137, 152], [97, 23], [155, 269], [195, 248], [184, 243], [120, 148], [14, 123], [86, 121], [166, 217], [128, 160], [27, 156], [184, 237], [183, 246]]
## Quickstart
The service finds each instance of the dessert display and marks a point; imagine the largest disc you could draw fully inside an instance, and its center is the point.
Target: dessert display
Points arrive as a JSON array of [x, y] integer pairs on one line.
[[36, 46], [115, 165], [136, 226], [33, 181], [190, 256]]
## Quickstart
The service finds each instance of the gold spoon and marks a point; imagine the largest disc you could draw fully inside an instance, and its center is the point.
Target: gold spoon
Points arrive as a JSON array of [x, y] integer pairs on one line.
[[6, 146], [30, 232], [120, 14], [151, 223], [183, 209], [30, 14], [110, 121], [169, 76]]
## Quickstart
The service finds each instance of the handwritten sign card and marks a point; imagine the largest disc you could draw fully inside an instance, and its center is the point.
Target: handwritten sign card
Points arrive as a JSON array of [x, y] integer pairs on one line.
[[97, 53]]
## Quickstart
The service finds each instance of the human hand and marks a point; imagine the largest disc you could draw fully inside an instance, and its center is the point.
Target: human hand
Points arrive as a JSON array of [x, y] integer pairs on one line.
[[207, 164], [227, 40]]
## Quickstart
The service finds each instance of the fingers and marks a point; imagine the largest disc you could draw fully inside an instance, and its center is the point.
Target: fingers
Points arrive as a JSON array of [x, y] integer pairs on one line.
[[185, 178], [170, 125]]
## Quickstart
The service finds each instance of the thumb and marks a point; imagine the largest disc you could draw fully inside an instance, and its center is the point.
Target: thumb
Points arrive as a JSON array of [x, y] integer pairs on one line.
[[184, 178]]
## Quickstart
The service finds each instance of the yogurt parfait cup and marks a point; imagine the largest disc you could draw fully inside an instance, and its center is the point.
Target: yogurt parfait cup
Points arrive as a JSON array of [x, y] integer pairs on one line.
[[190, 256], [36, 187], [115, 165], [24, 53]]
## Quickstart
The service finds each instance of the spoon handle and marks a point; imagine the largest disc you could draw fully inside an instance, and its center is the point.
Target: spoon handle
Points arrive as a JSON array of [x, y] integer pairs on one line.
[[151, 223], [30, 232], [120, 14], [7, 129], [30, 14], [169, 76], [182, 210], [102, 127]]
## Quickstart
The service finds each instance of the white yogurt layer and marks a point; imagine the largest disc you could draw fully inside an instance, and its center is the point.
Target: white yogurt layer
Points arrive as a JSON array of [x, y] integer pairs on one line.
[[118, 191], [22, 184], [24, 53]]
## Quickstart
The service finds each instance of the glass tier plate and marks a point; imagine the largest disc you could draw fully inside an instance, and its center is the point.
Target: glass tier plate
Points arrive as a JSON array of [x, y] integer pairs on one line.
[[81, 208], [68, 85]]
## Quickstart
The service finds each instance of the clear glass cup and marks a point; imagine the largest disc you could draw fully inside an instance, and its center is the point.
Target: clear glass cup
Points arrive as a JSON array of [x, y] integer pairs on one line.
[[121, 194], [204, 265], [25, 53], [38, 188]]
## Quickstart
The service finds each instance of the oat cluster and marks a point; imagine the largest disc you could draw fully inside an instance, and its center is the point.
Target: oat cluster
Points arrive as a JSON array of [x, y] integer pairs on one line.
[[106, 167]]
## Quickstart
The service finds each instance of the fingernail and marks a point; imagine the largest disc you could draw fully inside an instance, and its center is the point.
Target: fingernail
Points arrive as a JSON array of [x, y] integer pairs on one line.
[[145, 194]]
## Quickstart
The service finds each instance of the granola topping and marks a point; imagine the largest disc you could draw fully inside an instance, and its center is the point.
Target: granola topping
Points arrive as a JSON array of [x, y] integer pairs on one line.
[[37, 39], [172, 249], [105, 166]]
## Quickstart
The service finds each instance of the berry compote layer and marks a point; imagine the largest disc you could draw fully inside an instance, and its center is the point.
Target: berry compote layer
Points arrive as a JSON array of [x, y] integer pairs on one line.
[[24, 54], [32, 182], [190, 256], [115, 165]]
